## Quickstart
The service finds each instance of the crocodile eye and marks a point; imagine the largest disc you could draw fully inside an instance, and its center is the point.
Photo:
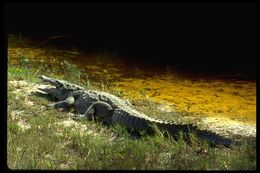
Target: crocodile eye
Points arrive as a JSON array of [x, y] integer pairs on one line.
[[58, 84]]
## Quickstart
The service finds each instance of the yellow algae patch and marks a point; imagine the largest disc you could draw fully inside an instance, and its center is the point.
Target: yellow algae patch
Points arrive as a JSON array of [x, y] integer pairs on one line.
[[234, 99]]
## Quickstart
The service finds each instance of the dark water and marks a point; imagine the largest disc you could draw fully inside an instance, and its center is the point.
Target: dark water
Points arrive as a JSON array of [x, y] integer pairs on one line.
[[184, 59], [201, 37]]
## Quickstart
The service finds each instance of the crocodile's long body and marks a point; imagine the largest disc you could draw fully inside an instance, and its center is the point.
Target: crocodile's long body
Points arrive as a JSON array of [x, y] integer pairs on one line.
[[114, 110]]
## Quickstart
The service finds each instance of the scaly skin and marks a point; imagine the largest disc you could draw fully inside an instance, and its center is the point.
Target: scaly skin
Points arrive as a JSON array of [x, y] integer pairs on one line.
[[112, 110]]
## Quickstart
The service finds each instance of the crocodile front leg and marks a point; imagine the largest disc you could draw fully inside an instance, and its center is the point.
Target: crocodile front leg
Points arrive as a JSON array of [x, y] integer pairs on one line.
[[63, 104]]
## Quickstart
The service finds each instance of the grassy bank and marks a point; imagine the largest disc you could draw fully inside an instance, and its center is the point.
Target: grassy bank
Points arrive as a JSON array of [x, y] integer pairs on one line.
[[42, 138]]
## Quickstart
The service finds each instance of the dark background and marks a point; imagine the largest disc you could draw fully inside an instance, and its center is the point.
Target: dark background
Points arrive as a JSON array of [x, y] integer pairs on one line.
[[202, 36]]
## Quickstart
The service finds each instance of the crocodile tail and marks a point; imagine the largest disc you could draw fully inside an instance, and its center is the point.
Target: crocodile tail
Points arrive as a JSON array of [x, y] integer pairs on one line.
[[214, 137], [175, 129], [147, 124]]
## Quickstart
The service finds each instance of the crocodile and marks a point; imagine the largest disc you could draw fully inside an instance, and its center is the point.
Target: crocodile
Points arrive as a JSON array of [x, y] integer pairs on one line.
[[111, 110]]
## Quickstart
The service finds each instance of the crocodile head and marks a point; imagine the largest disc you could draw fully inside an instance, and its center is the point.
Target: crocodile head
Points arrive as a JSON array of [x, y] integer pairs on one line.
[[60, 89]]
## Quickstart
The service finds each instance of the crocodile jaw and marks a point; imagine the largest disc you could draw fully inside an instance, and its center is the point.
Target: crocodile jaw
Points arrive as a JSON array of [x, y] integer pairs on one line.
[[51, 91], [51, 81], [61, 83]]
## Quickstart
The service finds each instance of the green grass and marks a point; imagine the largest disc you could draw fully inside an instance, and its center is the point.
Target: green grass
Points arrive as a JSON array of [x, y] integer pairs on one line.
[[47, 143]]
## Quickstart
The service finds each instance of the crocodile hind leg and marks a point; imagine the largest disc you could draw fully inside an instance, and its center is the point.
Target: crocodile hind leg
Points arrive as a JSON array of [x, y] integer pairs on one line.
[[99, 110], [63, 104], [89, 114]]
